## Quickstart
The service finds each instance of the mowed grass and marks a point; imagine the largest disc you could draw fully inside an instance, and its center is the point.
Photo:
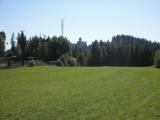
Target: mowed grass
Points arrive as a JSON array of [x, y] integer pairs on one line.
[[80, 93]]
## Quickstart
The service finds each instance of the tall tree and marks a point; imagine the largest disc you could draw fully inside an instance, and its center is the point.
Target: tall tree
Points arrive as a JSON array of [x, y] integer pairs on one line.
[[95, 54], [157, 59], [43, 51], [22, 43], [2, 43], [13, 47], [18, 51]]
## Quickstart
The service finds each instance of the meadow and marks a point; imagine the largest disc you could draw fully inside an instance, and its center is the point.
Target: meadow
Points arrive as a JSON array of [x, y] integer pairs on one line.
[[80, 93]]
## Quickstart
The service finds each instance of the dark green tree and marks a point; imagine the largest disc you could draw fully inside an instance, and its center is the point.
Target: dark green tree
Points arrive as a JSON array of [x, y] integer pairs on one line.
[[13, 47], [95, 58], [2, 43], [18, 51], [157, 59], [22, 43], [43, 51], [58, 46]]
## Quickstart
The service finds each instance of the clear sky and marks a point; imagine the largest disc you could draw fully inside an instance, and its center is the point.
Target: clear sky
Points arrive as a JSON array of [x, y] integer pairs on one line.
[[89, 19]]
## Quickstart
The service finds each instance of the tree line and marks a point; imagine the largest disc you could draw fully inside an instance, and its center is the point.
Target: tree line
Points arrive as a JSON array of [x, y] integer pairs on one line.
[[122, 50]]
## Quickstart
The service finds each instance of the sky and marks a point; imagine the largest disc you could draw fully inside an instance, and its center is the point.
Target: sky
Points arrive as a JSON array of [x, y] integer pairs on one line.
[[89, 19]]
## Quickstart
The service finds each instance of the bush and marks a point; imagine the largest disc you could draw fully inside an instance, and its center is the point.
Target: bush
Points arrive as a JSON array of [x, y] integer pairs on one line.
[[39, 63], [59, 63], [31, 63], [157, 59], [72, 61], [66, 60]]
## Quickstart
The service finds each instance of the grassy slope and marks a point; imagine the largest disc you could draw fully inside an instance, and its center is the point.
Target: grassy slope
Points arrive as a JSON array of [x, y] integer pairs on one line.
[[102, 93]]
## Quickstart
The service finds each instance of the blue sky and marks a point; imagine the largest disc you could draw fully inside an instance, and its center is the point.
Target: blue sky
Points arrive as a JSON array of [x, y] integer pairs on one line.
[[89, 19]]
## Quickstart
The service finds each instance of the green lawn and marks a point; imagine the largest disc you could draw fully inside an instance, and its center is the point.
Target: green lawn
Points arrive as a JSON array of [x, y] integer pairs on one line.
[[80, 93]]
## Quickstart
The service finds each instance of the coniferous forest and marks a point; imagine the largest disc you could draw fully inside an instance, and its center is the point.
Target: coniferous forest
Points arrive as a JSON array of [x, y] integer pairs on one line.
[[122, 50]]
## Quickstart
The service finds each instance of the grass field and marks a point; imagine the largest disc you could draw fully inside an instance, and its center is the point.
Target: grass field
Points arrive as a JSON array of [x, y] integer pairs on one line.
[[80, 93]]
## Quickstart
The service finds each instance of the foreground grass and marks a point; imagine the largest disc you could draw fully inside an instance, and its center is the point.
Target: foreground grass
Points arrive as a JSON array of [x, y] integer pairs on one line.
[[98, 93]]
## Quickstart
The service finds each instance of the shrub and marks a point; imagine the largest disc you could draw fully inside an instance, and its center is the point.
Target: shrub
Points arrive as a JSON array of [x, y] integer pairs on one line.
[[66, 60], [157, 59], [38, 62], [72, 61], [59, 63], [31, 63]]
